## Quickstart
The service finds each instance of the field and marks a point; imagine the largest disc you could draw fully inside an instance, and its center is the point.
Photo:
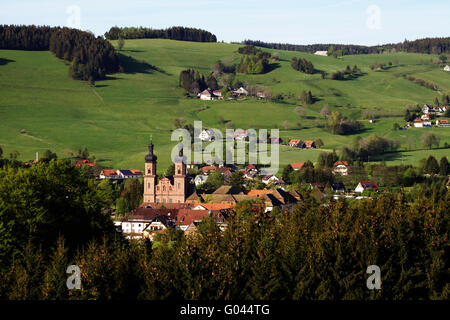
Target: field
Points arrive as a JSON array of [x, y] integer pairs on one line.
[[42, 108]]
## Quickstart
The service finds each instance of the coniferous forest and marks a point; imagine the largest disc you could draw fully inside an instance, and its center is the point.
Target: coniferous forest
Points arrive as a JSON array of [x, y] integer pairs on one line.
[[315, 251], [173, 33], [427, 45], [91, 57]]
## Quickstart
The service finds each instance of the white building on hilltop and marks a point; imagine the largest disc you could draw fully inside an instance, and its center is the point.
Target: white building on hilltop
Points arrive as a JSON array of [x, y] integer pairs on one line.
[[321, 53]]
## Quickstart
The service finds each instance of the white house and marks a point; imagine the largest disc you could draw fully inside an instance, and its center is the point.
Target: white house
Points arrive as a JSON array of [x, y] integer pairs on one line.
[[270, 178], [366, 185], [340, 168], [200, 179], [447, 68], [241, 91], [207, 94], [418, 123], [427, 108], [206, 135], [321, 53]]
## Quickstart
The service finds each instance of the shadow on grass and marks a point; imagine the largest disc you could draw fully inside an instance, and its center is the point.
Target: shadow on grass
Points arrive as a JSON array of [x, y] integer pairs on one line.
[[4, 61], [133, 66]]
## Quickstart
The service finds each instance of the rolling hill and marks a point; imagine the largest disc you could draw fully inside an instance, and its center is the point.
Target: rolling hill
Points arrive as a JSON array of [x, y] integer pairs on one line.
[[41, 107]]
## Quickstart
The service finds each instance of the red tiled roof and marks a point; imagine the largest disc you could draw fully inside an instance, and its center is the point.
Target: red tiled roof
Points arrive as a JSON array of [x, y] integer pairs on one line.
[[209, 169], [442, 121], [308, 143], [340, 163], [294, 141], [297, 165], [80, 163], [109, 172]]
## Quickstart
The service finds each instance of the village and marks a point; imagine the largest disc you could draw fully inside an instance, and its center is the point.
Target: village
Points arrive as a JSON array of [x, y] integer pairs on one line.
[[180, 202]]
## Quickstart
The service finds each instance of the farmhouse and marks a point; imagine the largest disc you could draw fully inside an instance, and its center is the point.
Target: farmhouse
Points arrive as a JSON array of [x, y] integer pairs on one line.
[[206, 135], [81, 163], [340, 168], [110, 174], [296, 143], [427, 108], [321, 53], [309, 145], [241, 91], [442, 123], [366, 185], [209, 94], [447, 68]]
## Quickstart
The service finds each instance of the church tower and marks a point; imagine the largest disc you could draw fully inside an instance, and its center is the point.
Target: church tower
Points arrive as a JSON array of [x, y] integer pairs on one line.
[[150, 175], [180, 176]]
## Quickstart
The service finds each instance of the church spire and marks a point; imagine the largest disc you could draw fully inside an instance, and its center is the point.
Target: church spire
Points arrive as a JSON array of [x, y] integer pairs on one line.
[[150, 157]]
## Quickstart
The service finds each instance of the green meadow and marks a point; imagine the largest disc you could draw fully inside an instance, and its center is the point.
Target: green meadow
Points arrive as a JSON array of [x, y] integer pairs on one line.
[[42, 108]]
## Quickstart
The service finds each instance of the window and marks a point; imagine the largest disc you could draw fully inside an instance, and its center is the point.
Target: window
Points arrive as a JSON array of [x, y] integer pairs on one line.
[[179, 186], [164, 200], [149, 185], [170, 200]]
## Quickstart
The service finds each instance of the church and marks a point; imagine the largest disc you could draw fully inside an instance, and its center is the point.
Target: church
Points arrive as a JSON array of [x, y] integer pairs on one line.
[[173, 189]]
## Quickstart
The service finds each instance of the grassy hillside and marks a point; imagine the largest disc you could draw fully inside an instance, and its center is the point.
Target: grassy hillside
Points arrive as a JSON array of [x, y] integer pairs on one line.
[[42, 108]]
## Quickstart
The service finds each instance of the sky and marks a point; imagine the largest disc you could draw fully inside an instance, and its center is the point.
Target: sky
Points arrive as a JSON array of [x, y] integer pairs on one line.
[[283, 21]]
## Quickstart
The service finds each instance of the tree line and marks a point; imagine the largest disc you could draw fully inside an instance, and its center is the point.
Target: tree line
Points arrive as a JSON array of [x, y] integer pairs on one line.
[[91, 57], [173, 33], [426, 45]]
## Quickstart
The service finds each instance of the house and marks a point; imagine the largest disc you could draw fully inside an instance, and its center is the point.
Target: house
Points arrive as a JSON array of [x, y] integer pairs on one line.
[[110, 174], [275, 140], [309, 144], [240, 134], [158, 225], [297, 165], [338, 187], [427, 123], [261, 95], [225, 172], [241, 91], [447, 68], [129, 174], [270, 179], [250, 172], [81, 163], [427, 108], [296, 143], [340, 168], [442, 123], [207, 94], [366, 186], [321, 53], [218, 94], [418, 123], [206, 135], [209, 169], [425, 116], [137, 220], [200, 179]]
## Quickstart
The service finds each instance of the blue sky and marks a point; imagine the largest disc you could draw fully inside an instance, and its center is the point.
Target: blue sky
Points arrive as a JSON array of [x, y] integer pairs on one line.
[[288, 21]]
